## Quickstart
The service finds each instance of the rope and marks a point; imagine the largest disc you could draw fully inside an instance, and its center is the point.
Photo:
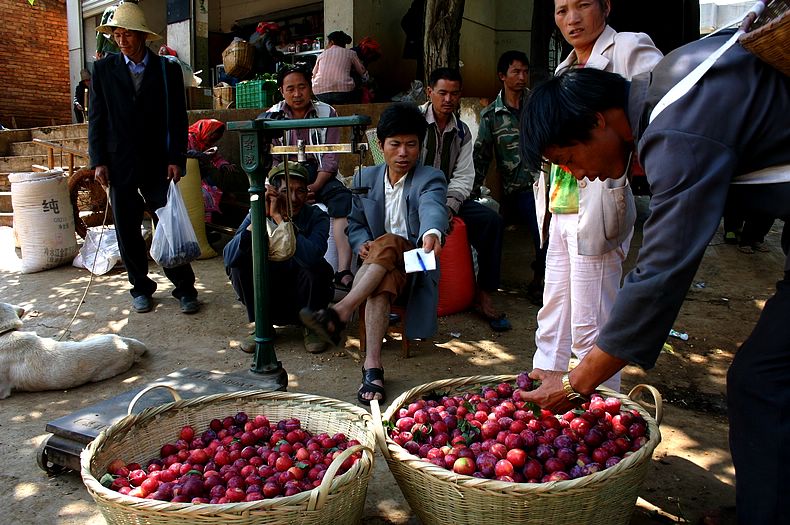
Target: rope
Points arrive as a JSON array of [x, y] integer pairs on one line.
[[93, 266]]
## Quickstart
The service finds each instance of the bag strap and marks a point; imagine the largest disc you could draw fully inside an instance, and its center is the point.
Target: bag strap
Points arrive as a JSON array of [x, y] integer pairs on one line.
[[690, 80], [288, 191]]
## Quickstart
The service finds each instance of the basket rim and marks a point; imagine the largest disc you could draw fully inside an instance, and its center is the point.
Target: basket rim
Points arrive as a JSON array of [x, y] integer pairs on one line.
[[764, 31], [400, 454], [97, 490]]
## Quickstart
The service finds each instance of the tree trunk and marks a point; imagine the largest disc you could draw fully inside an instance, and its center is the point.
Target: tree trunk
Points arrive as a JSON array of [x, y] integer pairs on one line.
[[442, 34]]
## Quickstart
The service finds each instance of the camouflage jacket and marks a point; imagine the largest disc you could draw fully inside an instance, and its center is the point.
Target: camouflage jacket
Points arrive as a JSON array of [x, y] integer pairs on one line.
[[498, 136]]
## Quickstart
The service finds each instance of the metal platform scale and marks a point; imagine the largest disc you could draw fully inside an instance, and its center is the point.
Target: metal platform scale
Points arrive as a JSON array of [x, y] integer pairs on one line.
[[71, 433]]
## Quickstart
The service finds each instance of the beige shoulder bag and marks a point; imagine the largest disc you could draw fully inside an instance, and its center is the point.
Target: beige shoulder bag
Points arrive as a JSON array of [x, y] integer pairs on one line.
[[282, 237]]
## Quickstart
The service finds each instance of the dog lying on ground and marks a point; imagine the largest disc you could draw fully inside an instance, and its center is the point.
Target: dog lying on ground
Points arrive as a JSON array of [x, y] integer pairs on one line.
[[32, 363]]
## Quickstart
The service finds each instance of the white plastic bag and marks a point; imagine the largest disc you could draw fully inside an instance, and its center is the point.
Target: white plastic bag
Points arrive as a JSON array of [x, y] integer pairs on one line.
[[175, 242], [99, 252]]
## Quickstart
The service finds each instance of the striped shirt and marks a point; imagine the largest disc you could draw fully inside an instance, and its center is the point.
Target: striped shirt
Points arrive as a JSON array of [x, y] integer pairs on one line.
[[332, 71]]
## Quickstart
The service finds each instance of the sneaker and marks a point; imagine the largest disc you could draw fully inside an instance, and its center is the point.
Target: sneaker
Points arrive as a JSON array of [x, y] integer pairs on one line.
[[189, 305], [535, 292], [142, 304], [313, 343]]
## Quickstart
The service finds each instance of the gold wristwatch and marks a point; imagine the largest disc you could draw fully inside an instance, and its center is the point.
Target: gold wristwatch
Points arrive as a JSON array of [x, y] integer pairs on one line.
[[570, 394]]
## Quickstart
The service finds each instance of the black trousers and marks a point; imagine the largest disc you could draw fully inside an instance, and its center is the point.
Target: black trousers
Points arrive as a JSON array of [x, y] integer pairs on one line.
[[753, 226], [485, 228], [758, 386], [291, 288], [128, 206], [519, 208]]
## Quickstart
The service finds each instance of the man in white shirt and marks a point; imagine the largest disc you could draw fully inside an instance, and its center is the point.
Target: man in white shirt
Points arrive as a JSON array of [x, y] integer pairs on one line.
[[448, 146], [404, 208]]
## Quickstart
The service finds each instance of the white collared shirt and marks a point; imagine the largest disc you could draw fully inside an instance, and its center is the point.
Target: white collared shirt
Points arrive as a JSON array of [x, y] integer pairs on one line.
[[134, 67], [395, 207]]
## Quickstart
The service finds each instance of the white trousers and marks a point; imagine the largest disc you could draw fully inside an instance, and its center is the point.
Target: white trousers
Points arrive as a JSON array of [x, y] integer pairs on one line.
[[577, 298]]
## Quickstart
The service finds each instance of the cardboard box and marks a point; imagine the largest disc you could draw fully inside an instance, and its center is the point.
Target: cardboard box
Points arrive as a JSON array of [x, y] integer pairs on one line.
[[199, 98]]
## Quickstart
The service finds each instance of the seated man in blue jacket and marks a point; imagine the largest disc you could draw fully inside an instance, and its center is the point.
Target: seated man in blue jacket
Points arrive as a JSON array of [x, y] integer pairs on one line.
[[403, 209], [304, 280]]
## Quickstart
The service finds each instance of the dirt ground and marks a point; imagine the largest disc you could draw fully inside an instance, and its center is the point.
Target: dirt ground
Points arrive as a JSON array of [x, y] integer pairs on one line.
[[691, 472]]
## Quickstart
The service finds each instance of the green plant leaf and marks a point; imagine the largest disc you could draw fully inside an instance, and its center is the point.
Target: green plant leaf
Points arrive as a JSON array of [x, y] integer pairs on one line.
[[108, 478]]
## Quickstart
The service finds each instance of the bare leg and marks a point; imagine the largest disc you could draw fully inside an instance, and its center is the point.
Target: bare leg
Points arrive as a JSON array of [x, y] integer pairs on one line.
[[486, 305], [377, 312], [343, 247], [367, 280]]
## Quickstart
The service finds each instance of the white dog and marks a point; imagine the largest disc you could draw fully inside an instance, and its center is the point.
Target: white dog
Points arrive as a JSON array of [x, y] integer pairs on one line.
[[32, 363]]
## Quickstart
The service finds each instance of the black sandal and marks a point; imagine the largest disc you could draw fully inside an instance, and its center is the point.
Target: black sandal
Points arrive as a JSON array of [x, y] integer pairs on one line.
[[319, 321], [339, 280], [368, 386]]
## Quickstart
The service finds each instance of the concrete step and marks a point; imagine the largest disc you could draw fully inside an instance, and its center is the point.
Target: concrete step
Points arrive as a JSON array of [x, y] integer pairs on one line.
[[6, 219], [53, 133], [4, 184], [22, 163], [33, 148], [5, 202], [9, 136]]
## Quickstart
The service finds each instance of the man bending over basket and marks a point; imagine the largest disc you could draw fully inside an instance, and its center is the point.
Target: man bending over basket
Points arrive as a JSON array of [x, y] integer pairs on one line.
[[728, 134], [403, 208]]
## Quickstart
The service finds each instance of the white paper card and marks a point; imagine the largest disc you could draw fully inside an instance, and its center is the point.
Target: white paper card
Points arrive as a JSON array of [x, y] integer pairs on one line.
[[411, 260]]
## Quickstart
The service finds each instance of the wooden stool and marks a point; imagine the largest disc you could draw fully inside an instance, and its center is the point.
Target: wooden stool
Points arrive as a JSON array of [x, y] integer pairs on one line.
[[397, 328]]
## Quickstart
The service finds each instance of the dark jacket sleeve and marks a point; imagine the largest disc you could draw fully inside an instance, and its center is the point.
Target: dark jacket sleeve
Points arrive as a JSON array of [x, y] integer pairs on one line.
[[689, 178], [178, 121], [98, 118], [311, 242], [239, 249]]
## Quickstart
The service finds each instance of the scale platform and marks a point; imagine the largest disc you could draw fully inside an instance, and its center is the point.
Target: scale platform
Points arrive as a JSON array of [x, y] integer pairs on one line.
[[72, 433]]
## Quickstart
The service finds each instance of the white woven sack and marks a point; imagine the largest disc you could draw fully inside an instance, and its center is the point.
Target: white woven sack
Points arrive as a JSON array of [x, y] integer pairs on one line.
[[43, 219]]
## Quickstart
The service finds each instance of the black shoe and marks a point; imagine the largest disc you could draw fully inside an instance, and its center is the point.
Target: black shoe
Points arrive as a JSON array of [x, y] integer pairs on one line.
[[189, 305], [535, 292], [142, 304]]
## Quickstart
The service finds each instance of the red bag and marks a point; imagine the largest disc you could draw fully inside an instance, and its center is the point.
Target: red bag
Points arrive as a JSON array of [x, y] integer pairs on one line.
[[457, 277]]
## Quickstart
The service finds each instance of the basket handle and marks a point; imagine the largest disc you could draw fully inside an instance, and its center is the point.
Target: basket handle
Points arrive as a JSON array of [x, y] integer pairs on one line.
[[318, 498], [659, 404], [147, 389], [378, 428]]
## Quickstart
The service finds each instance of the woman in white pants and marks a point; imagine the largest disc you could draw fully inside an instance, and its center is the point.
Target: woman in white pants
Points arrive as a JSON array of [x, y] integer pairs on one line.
[[592, 221]]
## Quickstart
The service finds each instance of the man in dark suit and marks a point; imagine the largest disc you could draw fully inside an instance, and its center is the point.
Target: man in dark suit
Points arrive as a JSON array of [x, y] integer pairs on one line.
[[138, 137], [404, 208], [724, 138]]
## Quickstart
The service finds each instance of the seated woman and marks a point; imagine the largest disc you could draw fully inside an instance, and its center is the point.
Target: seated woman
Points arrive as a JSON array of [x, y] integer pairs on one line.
[[332, 81], [202, 139]]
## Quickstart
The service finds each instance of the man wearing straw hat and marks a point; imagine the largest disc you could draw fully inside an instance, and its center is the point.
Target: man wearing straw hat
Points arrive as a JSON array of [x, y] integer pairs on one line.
[[727, 135], [137, 136]]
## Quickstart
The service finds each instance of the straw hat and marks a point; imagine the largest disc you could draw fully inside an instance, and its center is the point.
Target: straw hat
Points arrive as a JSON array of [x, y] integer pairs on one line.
[[128, 16]]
